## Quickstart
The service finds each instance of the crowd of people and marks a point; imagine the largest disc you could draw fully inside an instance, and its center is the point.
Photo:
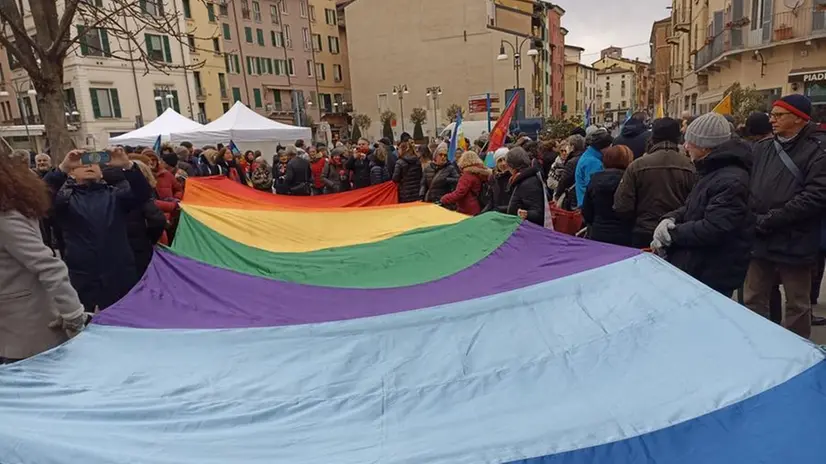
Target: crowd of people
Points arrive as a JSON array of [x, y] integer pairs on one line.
[[738, 208]]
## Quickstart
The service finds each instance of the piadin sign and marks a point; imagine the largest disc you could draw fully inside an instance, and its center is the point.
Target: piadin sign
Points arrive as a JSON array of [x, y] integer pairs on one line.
[[808, 76], [815, 77]]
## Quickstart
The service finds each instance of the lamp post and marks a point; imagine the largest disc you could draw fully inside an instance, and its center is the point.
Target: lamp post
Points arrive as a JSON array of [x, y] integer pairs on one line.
[[401, 91], [516, 48], [434, 93], [24, 111]]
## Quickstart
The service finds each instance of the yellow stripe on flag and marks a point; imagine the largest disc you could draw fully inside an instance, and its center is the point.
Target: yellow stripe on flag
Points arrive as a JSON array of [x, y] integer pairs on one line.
[[724, 107]]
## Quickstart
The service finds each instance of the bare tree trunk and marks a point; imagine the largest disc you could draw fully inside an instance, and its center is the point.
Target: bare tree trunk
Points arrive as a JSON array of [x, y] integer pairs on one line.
[[53, 111]]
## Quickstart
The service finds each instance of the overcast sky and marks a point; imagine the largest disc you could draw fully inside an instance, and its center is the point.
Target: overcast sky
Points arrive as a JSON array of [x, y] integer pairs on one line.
[[597, 24]]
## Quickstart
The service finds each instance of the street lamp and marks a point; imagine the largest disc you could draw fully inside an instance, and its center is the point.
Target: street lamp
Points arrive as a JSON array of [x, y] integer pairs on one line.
[[516, 48], [401, 91], [434, 93]]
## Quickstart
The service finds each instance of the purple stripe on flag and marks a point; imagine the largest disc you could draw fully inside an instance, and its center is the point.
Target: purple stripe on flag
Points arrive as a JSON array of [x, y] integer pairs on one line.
[[178, 292]]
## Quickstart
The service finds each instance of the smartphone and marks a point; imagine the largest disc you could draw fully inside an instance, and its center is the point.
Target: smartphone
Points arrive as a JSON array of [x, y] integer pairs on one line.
[[95, 157]]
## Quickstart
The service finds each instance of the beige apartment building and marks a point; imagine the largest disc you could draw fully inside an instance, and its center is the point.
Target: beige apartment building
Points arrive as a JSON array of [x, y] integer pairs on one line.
[[611, 58], [660, 60], [618, 93], [775, 45], [580, 83], [450, 47]]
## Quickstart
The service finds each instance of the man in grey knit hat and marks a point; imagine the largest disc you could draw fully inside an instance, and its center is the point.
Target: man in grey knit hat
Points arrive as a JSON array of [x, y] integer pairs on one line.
[[711, 236]]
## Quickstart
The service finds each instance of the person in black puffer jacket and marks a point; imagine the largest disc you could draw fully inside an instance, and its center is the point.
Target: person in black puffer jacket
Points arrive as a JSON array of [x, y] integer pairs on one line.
[[567, 181], [711, 236], [378, 169], [359, 165], [298, 178], [499, 181], [408, 173], [634, 135], [526, 189], [439, 177], [598, 207]]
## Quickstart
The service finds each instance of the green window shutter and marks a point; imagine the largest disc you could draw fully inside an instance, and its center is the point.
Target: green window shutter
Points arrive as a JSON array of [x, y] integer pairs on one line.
[[269, 66], [104, 40], [276, 95], [211, 12], [175, 104], [95, 103], [143, 6], [272, 37], [115, 102], [237, 64], [187, 9], [248, 34], [148, 43], [98, 2], [236, 94], [158, 103], [84, 46], [226, 63], [167, 51], [227, 32], [260, 36], [256, 93], [249, 65]]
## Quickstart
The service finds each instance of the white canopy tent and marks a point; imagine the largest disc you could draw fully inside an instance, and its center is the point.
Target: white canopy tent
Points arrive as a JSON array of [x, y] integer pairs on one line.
[[248, 129], [168, 122]]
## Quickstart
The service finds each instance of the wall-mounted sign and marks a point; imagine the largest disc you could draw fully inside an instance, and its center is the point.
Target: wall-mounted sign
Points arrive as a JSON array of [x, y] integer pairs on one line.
[[479, 103], [808, 76]]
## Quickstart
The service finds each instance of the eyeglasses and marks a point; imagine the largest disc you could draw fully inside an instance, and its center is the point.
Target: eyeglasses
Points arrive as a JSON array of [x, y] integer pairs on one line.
[[778, 114]]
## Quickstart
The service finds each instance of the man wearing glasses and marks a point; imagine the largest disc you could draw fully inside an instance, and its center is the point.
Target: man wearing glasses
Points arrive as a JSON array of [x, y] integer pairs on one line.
[[788, 189]]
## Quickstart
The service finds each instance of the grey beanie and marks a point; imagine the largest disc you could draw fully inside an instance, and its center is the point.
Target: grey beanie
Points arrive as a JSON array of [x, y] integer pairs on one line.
[[708, 131]]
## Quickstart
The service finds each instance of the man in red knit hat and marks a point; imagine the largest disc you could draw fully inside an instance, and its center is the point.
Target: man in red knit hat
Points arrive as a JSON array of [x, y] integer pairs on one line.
[[788, 189]]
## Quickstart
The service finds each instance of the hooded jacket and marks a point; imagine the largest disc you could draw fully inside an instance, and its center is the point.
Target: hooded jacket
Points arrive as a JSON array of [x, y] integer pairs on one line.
[[466, 195], [598, 210], [653, 186], [408, 174], [526, 192], [634, 135], [789, 214], [715, 227], [589, 164], [438, 181]]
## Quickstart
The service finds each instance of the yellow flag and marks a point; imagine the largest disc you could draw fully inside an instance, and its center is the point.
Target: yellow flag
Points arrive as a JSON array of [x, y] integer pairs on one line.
[[661, 108], [724, 107]]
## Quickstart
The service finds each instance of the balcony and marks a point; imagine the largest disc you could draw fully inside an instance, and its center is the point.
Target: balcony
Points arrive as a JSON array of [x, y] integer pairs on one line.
[[201, 93], [681, 19], [280, 107], [673, 39], [737, 36]]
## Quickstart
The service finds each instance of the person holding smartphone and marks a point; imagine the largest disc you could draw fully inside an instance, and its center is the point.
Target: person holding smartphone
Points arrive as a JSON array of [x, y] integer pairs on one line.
[[93, 217]]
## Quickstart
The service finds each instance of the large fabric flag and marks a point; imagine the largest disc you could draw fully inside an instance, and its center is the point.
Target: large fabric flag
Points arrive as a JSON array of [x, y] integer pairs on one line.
[[724, 107], [500, 130], [156, 147], [458, 133], [660, 108], [261, 337]]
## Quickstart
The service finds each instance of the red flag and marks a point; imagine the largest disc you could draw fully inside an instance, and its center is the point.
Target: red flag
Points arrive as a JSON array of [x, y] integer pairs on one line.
[[500, 130]]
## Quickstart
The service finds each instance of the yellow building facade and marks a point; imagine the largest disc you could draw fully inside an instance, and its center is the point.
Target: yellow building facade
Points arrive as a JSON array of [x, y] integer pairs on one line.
[[206, 55]]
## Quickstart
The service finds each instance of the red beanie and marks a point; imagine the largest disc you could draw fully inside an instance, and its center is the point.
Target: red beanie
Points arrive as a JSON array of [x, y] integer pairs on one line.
[[796, 104]]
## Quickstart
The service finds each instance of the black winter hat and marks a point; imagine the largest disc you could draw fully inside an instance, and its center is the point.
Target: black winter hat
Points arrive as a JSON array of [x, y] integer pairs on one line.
[[758, 124], [665, 130], [404, 137], [385, 141], [171, 159]]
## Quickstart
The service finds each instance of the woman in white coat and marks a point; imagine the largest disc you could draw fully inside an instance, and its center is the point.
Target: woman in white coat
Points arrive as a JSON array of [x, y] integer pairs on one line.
[[39, 309]]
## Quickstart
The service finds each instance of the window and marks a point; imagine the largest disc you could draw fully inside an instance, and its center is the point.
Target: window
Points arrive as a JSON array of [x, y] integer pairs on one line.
[[199, 90], [274, 14], [623, 104], [223, 9], [282, 5], [312, 13], [216, 45], [280, 67], [190, 41], [269, 65], [330, 16], [309, 68], [305, 35], [157, 48], [332, 44], [187, 9], [277, 39], [302, 4], [248, 34], [249, 65], [256, 11], [607, 105], [337, 72], [202, 116], [319, 71], [233, 64], [93, 42], [245, 9], [227, 31], [291, 67], [256, 95], [222, 84], [259, 35], [236, 94], [317, 42], [288, 39], [164, 102], [225, 107], [152, 7], [105, 103]]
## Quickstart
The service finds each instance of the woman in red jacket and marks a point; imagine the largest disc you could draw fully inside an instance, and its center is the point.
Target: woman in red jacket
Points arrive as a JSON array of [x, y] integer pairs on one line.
[[168, 192], [466, 195]]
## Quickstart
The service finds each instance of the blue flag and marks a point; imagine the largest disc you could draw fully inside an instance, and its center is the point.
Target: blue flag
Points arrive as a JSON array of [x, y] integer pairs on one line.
[[233, 148], [451, 151], [157, 147]]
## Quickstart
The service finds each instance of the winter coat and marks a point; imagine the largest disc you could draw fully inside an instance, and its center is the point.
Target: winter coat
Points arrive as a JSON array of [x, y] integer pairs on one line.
[[438, 181], [207, 169], [408, 174], [34, 289], [279, 172], [715, 227], [653, 186], [555, 173], [93, 218], [634, 135], [499, 196], [298, 178], [336, 178], [598, 210], [167, 187], [262, 178], [188, 168], [789, 214], [378, 173], [360, 169], [526, 192], [567, 181], [589, 164], [466, 195], [316, 168]]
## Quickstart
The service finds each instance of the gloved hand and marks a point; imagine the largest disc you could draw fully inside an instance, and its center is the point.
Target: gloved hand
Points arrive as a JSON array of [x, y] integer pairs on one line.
[[662, 236], [72, 327]]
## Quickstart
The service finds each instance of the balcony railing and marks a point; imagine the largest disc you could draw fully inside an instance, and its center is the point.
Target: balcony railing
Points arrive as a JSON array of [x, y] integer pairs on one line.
[[280, 107], [740, 34], [30, 120]]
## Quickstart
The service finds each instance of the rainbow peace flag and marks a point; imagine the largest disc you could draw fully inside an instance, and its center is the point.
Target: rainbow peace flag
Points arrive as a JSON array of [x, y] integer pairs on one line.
[[347, 329]]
